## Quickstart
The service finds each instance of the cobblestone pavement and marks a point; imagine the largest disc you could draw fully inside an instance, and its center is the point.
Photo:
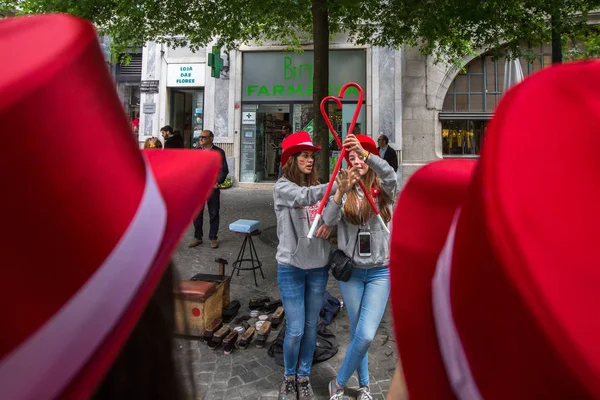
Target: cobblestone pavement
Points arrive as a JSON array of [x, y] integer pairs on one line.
[[251, 373]]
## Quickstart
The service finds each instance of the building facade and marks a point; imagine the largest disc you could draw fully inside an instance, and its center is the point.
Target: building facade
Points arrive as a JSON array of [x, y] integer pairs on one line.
[[429, 111], [261, 89]]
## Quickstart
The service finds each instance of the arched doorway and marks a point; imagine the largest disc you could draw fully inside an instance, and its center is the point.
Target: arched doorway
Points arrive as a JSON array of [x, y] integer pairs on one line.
[[472, 98]]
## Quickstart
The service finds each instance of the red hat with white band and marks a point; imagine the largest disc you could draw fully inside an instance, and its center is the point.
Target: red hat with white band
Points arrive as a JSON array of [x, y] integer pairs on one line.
[[297, 143], [89, 221], [494, 263]]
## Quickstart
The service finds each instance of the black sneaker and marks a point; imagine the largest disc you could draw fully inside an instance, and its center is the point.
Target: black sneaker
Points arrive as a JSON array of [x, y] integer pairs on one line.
[[288, 391], [305, 391]]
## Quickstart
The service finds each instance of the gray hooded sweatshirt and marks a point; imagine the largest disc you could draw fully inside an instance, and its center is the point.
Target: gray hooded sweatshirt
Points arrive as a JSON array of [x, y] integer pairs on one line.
[[295, 208], [347, 232]]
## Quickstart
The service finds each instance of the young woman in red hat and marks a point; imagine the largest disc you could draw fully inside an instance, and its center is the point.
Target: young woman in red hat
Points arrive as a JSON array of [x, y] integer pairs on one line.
[[362, 238], [302, 263]]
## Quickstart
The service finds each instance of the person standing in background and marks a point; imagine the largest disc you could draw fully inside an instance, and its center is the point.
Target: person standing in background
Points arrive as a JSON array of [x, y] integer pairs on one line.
[[387, 152], [214, 201], [173, 140], [285, 131]]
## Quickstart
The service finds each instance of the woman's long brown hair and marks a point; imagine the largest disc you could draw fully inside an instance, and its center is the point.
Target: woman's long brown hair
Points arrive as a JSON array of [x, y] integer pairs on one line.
[[293, 173], [354, 208]]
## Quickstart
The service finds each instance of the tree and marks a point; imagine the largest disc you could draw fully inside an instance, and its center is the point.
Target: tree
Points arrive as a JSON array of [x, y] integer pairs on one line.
[[451, 29], [446, 29], [195, 23]]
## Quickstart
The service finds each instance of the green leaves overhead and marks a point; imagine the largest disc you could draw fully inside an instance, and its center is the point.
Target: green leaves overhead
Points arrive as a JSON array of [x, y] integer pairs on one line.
[[446, 29]]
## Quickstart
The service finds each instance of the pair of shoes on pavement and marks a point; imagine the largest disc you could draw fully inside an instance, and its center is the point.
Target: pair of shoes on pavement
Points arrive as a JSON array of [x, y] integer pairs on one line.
[[293, 388], [196, 242], [335, 393]]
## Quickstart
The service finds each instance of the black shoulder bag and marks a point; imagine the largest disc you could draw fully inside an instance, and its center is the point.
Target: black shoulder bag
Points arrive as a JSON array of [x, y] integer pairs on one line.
[[341, 265]]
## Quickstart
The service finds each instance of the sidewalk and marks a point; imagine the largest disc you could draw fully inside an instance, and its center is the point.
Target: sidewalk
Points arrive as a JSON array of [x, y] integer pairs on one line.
[[251, 373]]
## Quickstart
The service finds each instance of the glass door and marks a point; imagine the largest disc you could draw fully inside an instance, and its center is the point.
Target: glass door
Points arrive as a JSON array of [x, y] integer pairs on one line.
[[187, 115]]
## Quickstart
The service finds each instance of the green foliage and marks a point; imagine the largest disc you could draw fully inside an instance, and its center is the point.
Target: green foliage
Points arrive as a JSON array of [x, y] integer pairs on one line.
[[446, 29]]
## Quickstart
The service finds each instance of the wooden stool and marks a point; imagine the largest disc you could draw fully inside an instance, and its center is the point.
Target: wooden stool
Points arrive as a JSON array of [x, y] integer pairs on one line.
[[256, 264]]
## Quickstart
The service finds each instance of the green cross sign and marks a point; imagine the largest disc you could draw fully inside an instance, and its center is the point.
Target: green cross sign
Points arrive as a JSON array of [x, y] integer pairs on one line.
[[215, 62], [248, 115]]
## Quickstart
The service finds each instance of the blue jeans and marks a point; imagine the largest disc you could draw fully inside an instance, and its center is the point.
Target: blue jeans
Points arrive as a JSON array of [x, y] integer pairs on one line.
[[365, 295], [302, 293]]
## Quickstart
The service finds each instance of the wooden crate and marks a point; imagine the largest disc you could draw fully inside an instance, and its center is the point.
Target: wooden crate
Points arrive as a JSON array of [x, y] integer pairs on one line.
[[196, 304]]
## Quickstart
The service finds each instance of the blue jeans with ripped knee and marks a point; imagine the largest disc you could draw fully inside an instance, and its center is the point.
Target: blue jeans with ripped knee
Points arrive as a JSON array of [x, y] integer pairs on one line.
[[302, 294]]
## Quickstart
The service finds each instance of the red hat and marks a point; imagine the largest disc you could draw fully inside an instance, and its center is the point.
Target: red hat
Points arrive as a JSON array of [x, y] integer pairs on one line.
[[368, 144], [297, 143], [88, 226], [494, 263]]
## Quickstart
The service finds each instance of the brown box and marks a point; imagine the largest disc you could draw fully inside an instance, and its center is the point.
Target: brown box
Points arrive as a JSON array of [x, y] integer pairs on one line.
[[197, 303]]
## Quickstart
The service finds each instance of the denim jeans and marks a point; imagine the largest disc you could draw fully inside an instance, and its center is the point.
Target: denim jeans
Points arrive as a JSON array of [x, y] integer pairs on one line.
[[302, 293], [365, 295]]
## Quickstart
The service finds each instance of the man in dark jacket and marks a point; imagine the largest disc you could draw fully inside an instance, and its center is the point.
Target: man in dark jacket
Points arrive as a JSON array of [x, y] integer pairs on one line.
[[214, 201], [173, 140], [387, 152]]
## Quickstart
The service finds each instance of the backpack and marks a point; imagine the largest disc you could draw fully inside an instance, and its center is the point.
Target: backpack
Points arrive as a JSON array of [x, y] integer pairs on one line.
[[331, 306], [327, 345]]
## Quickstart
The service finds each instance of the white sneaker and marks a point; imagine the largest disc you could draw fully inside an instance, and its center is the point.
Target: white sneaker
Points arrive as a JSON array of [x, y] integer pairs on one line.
[[364, 393], [334, 392]]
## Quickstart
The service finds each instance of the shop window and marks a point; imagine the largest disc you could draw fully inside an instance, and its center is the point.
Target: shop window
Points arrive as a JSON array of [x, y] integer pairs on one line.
[[479, 87], [462, 137]]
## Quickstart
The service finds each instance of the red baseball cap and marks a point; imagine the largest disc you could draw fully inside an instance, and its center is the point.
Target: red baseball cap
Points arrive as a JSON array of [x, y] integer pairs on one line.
[[297, 143], [89, 220], [494, 266]]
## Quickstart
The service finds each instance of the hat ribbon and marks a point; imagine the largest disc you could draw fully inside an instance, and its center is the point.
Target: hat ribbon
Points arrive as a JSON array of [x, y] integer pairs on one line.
[[42, 366], [453, 353]]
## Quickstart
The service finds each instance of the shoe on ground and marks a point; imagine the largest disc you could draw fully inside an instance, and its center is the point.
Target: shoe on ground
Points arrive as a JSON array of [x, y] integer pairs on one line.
[[214, 244], [364, 393], [195, 242], [305, 390], [288, 390], [334, 392]]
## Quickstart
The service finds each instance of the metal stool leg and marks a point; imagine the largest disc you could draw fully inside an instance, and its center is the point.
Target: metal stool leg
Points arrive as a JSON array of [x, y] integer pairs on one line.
[[240, 255], [253, 248], [252, 261]]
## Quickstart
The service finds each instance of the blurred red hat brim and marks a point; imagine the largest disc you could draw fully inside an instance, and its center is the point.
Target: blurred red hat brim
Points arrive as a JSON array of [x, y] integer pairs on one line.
[[422, 217]]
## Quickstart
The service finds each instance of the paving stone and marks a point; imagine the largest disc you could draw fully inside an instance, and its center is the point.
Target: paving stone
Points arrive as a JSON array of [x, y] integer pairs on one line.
[[238, 370], [262, 371], [234, 382], [252, 365], [232, 393], [219, 385], [204, 377], [275, 377], [215, 395], [249, 377], [375, 388], [205, 367], [385, 385]]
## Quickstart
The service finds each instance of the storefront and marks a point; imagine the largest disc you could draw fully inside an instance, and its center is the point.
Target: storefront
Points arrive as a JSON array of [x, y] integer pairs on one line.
[[277, 90], [128, 77], [185, 94]]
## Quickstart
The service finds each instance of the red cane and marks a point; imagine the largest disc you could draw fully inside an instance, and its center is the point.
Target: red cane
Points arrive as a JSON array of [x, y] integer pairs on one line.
[[343, 154]]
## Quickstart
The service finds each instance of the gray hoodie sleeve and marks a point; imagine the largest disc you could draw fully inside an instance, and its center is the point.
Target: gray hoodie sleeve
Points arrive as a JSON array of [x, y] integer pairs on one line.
[[332, 212], [287, 194], [386, 174]]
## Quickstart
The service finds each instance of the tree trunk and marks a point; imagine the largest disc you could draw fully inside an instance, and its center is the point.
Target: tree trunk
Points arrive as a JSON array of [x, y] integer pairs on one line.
[[320, 85], [557, 56]]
